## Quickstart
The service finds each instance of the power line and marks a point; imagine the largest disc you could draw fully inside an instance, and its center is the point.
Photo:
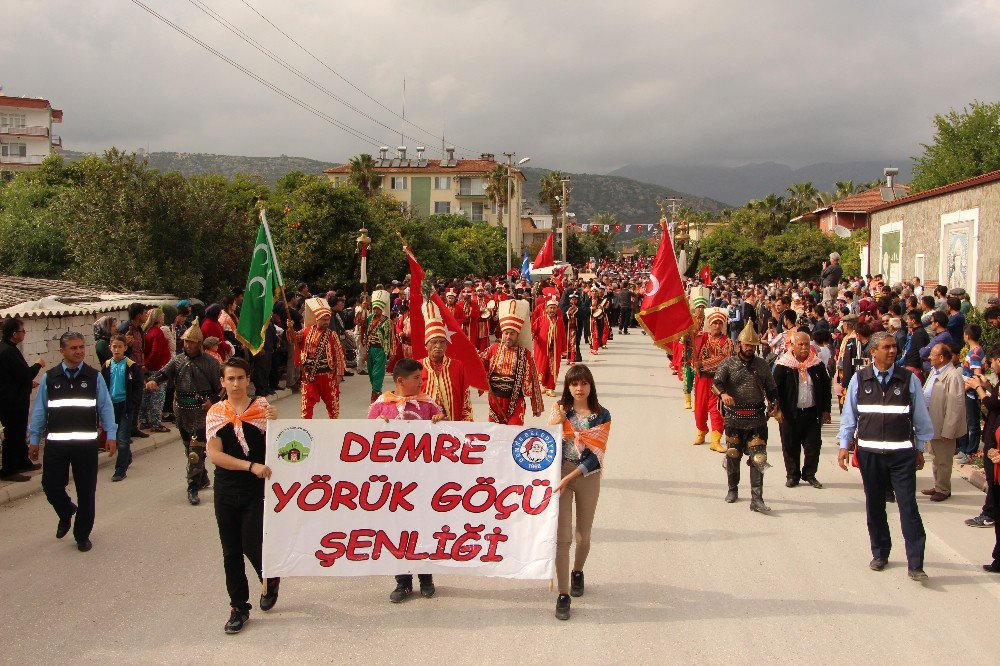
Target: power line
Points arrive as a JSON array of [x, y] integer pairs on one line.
[[347, 81], [218, 18], [292, 98]]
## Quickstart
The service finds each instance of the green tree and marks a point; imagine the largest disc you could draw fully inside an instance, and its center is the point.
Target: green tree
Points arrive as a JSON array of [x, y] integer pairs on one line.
[[496, 188], [797, 252], [843, 189], [728, 249], [550, 195], [801, 199], [364, 176], [966, 144]]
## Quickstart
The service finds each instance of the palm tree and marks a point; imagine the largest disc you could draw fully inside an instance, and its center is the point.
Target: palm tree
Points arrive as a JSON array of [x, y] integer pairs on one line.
[[843, 189], [496, 188], [363, 175], [801, 198], [551, 193]]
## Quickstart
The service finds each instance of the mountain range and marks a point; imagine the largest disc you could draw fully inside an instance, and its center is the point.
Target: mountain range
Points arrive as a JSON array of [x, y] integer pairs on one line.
[[737, 185]]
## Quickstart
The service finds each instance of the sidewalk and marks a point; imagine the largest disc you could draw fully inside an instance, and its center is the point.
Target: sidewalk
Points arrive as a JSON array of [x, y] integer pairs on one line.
[[11, 491]]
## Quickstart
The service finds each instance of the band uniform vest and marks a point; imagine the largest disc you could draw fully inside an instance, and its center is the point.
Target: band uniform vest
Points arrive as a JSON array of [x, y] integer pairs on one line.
[[71, 410], [884, 419]]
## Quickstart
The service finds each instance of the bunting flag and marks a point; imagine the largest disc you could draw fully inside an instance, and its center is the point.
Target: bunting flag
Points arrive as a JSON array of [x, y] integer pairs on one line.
[[460, 348], [618, 228], [263, 285], [628, 227], [545, 256], [416, 300], [606, 227], [664, 313], [706, 274]]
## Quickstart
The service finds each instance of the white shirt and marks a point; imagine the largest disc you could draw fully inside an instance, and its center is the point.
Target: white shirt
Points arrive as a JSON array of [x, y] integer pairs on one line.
[[929, 386]]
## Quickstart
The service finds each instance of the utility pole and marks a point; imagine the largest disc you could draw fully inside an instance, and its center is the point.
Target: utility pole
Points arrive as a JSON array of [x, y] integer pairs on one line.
[[510, 171], [673, 201], [565, 211]]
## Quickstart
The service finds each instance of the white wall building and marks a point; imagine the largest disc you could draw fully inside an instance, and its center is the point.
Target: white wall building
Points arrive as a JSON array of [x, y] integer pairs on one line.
[[26, 136]]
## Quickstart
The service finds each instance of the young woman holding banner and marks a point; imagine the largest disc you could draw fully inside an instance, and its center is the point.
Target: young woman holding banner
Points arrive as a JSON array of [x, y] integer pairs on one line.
[[586, 426]]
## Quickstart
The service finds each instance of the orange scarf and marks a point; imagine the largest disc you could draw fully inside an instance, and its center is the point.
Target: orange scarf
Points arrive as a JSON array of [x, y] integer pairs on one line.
[[595, 439], [223, 413], [789, 361], [401, 400]]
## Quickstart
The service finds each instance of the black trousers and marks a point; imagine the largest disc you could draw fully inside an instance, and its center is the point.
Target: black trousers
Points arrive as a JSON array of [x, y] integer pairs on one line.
[[898, 470], [262, 373], [57, 460], [407, 579], [995, 496], [14, 457], [800, 432], [990, 505], [240, 517]]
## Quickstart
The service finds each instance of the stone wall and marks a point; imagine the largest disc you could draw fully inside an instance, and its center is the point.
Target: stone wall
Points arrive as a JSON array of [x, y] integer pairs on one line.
[[42, 335], [921, 234]]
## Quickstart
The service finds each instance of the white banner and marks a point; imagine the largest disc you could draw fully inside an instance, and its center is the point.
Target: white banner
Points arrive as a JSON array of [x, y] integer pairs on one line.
[[360, 497]]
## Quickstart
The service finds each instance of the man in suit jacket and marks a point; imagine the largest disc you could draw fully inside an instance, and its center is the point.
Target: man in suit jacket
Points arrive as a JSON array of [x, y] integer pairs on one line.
[[945, 393]]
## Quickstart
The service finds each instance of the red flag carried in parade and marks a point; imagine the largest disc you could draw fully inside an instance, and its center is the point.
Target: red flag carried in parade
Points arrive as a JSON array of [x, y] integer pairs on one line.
[[460, 348], [416, 300], [545, 256], [705, 274], [664, 313]]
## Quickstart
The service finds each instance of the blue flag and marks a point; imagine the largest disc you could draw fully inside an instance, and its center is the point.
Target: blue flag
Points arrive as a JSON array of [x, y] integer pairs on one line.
[[526, 267]]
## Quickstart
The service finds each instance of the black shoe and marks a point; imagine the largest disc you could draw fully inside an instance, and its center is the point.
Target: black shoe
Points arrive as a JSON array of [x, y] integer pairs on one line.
[[877, 563], [427, 590], [813, 481], [17, 477], [791, 482], [236, 621], [401, 592], [33, 467], [732, 495], [268, 600], [348, 374], [562, 607], [980, 521], [576, 584], [917, 575], [759, 506], [193, 498], [991, 568], [84, 546], [140, 434], [118, 476], [205, 484], [64, 523]]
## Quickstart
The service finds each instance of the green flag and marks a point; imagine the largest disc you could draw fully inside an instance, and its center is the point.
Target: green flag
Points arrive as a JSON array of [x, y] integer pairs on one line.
[[263, 284]]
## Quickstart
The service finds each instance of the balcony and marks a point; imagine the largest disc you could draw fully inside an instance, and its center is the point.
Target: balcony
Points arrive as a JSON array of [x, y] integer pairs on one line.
[[56, 141], [24, 131], [27, 159]]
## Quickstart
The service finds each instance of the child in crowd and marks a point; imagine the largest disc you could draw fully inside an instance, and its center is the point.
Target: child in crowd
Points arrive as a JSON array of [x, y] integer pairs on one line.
[[124, 380], [586, 426], [211, 347], [407, 403]]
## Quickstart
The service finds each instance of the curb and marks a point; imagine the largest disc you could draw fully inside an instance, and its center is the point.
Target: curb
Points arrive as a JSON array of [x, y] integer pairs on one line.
[[12, 491], [973, 475]]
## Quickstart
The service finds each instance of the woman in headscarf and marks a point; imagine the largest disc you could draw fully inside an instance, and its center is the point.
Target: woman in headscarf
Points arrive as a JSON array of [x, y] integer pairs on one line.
[[157, 354], [211, 328], [104, 328]]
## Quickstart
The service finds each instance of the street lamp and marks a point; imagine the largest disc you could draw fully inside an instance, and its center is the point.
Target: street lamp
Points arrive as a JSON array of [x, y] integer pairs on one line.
[[565, 208], [510, 207]]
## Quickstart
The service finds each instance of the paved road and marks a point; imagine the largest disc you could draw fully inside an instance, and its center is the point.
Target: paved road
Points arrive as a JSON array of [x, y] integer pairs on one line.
[[674, 573]]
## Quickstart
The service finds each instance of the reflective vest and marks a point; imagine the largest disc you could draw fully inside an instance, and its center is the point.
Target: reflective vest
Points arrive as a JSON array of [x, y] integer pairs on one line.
[[71, 410], [885, 422]]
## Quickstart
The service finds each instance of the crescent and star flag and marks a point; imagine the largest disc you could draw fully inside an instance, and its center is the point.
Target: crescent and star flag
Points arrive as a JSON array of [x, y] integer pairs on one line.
[[461, 349], [664, 312], [416, 301], [545, 256], [705, 274], [263, 284]]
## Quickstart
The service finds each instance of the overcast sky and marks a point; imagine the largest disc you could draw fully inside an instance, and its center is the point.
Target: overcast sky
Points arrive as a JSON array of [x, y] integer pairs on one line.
[[580, 86]]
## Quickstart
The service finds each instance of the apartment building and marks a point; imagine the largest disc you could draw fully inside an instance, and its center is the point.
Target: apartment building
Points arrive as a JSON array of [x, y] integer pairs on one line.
[[441, 187], [26, 136]]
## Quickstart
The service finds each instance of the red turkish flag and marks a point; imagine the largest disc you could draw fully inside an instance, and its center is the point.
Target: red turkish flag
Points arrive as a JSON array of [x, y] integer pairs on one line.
[[618, 228], [705, 274], [416, 300], [461, 349], [664, 313], [545, 256]]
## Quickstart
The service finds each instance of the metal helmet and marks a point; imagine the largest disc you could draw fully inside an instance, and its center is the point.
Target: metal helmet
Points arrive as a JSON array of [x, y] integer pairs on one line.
[[749, 335]]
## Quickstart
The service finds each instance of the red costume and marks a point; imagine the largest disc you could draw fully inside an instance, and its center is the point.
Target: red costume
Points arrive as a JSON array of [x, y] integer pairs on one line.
[[512, 377], [322, 359], [708, 353], [446, 383], [549, 334]]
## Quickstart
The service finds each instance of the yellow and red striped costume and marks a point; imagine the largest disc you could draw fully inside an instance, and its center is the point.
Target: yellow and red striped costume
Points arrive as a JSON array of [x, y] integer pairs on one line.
[[446, 383]]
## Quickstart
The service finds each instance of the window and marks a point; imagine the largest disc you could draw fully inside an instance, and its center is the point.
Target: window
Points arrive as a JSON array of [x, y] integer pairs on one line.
[[12, 120], [14, 150], [442, 207], [397, 183], [442, 182], [470, 186], [474, 211]]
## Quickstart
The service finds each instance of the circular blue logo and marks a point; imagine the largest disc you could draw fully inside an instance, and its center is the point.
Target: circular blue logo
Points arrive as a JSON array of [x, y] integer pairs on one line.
[[534, 449]]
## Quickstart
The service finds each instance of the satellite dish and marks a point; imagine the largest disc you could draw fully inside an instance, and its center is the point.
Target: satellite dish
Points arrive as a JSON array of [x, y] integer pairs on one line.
[[843, 232]]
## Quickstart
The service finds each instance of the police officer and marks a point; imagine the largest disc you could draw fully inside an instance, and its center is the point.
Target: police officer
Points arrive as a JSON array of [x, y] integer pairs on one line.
[[886, 414], [70, 403]]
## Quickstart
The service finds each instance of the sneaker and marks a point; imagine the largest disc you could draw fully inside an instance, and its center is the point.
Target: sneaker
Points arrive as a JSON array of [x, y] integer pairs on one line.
[[917, 575], [268, 600], [961, 458], [236, 621], [427, 590], [576, 584], [980, 521], [118, 476], [562, 607], [401, 592]]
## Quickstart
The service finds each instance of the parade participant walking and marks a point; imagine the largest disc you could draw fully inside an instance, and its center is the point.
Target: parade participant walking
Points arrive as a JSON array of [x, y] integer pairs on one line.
[[586, 426], [407, 403], [945, 394], [598, 321], [698, 298], [321, 358], [379, 340], [195, 376], [711, 348], [804, 399], [549, 335], [236, 430], [71, 401], [886, 414], [481, 327], [575, 323], [749, 395], [17, 379], [443, 378], [511, 372], [124, 380]]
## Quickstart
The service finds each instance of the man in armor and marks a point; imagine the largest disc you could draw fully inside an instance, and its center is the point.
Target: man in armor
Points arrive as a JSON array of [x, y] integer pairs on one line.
[[749, 396], [197, 385]]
